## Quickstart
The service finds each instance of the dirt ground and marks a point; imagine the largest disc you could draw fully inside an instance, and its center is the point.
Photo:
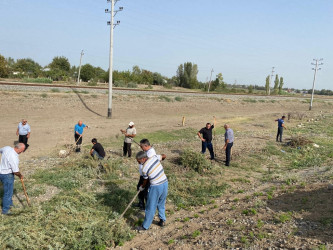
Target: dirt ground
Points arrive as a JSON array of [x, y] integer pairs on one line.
[[52, 118]]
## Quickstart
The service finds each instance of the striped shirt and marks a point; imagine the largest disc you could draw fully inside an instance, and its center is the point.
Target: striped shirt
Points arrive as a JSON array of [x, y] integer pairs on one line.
[[153, 170], [150, 153]]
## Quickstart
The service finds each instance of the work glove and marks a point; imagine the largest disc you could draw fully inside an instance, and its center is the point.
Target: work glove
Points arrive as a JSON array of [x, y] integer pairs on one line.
[[141, 188]]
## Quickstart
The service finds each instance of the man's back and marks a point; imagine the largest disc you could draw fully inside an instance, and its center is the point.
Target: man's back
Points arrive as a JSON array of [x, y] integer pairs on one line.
[[9, 160]]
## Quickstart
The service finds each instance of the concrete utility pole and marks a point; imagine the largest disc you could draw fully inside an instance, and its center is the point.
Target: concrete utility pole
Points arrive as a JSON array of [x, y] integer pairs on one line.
[[210, 81], [78, 76], [270, 81], [314, 77], [112, 26]]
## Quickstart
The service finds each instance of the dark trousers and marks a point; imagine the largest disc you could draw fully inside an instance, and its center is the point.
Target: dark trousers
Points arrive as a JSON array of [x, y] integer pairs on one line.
[[143, 194], [279, 133], [208, 145], [24, 139], [127, 149], [78, 142], [228, 153]]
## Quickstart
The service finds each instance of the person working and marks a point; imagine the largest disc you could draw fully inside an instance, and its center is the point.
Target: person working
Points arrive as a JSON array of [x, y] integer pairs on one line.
[[153, 172], [206, 139], [97, 150], [78, 131], [129, 133], [9, 166], [281, 126]]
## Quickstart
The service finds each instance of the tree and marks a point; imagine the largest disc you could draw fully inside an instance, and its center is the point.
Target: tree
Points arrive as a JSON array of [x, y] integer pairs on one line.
[[187, 75], [157, 78], [3, 67], [250, 89], [267, 85], [87, 72], [218, 84], [281, 85], [28, 67], [276, 84], [60, 68], [61, 63]]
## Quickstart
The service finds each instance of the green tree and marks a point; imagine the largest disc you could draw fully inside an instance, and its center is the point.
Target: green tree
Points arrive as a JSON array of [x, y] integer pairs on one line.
[[157, 79], [281, 85], [87, 72], [276, 84], [27, 67], [218, 84], [99, 73], [187, 75], [267, 85], [61, 63], [3, 67], [250, 89]]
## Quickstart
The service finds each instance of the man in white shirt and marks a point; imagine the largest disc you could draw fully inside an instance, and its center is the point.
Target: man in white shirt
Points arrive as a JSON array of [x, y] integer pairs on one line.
[[129, 133], [23, 132], [9, 166]]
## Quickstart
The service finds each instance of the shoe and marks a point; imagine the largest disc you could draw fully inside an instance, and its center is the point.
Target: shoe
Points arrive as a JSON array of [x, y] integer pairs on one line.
[[161, 223], [140, 229]]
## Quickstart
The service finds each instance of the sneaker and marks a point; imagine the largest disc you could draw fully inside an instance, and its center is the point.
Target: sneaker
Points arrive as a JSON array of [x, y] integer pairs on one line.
[[161, 223], [140, 229]]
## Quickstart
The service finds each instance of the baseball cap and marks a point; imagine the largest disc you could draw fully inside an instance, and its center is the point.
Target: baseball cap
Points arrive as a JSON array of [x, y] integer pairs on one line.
[[131, 124]]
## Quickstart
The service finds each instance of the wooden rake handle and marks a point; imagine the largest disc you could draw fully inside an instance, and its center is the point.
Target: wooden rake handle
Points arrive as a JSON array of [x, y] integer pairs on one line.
[[129, 204], [25, 192]]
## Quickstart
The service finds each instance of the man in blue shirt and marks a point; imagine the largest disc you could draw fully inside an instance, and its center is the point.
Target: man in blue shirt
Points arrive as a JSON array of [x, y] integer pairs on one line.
[[78, 131], [280, 128], [229, 142]]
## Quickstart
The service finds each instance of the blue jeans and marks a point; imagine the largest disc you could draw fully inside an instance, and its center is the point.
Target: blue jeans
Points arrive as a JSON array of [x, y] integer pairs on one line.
[[208, 145], [156, 199], [94, 153], [8, 188]]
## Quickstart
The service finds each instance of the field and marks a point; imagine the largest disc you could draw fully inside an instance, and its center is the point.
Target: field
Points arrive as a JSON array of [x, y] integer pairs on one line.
[[273, 195]]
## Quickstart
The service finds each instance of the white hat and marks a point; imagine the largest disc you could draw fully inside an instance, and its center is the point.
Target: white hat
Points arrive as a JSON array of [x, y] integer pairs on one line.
[[131, 124]]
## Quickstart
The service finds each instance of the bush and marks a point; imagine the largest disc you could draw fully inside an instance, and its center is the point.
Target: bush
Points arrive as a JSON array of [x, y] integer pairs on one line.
[[37, 80], [132, 85], [164, 98], [167, 86], [178, 98], [194, 160]]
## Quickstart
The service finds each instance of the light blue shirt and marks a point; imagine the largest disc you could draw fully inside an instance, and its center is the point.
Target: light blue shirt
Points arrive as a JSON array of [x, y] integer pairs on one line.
[[23, 129], [229, 135], [9, 161], [79, 128]]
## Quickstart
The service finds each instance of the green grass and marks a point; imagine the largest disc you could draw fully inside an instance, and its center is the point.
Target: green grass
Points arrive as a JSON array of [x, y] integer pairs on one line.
[[249, 100], [179, 99], [164, 98], [196, 233]]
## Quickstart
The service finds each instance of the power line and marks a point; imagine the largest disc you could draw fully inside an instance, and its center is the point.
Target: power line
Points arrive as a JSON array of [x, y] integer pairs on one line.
[[314, 77], [112, 26]]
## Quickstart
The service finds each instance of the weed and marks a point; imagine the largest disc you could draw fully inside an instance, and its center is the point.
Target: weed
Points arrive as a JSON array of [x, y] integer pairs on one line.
[[250, 100], [37, 80], [262, 235], [283, 217], [250, 211], [244, 240], [260, 223], [241, 180], [235, 200], [229, 222], [186, 219], [171, 242], [179, 99], [55, 90], [164, 98], [138, 222], [326, 221], [44, 95], [194, 160], [240, 191], [196, 216], [196, 233], [93, 96]]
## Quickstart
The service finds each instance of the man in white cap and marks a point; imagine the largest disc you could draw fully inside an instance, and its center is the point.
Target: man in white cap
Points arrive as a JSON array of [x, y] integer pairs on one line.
[[129, 133]]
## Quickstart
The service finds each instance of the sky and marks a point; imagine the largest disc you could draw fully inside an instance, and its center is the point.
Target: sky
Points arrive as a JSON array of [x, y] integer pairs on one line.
[[242, 39]]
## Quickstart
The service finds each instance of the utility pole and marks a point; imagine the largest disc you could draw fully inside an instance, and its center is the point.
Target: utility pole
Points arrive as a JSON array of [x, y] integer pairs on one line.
[[211, 73], [112, 26], [314, 77], [270, 81], [78, 76]]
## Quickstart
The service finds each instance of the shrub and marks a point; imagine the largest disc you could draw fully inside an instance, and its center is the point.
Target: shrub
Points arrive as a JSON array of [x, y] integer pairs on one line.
[[55, 90], [178, 98], [37, 80], [164, 98], [194, 160], [132, 85]]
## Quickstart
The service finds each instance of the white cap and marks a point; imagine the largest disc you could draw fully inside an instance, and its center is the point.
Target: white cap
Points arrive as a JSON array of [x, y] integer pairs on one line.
[[131, 124]]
